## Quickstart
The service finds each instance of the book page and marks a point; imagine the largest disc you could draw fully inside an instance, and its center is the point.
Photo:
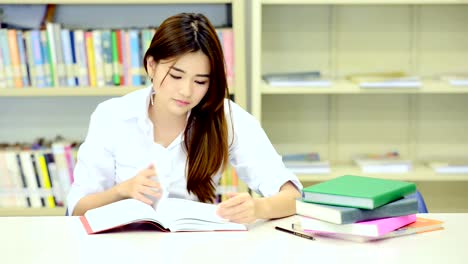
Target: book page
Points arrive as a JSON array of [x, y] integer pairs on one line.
[[172, 209], [120, 213], [187, 215]]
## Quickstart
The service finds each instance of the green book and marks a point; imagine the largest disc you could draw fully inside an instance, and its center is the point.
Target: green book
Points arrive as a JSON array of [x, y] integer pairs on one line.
[[357, 191]]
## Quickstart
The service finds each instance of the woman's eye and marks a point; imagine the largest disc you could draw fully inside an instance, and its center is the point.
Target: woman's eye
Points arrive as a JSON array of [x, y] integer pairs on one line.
[[201, 82], [175, 77]]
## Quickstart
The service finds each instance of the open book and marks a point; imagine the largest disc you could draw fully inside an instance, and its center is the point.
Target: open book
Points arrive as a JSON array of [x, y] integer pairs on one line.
[[171, 215]]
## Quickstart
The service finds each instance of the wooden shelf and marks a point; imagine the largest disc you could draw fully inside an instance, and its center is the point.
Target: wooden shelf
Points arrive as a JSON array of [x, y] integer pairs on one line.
[[359, 2], [58, 211], [116, 2], [68, 91], [346, 87], [419, 173]]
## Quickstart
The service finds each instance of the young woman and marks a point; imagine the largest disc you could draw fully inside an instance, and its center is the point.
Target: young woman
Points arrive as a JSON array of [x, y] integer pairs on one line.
[[176, 137]]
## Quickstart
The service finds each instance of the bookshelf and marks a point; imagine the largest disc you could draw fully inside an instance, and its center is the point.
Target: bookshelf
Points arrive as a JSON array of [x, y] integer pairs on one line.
[[42, 100], [339, 38]]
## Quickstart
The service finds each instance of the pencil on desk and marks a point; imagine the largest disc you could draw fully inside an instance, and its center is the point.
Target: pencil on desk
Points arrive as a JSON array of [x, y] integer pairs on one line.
[[295, 233]]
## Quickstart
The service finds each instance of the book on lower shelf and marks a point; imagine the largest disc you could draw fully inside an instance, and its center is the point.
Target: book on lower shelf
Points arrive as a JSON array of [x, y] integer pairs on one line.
[[383, 163], [171, 215], [449, 167], [385, 80], [456, 79], [308, 167], [306, 163], [372, 228], [348, 215], [312, 79], [357, 191], [421, 225]]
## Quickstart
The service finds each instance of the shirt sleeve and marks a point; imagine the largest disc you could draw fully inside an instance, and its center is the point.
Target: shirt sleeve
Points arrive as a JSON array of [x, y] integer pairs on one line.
[[95, 168], [253, 156]]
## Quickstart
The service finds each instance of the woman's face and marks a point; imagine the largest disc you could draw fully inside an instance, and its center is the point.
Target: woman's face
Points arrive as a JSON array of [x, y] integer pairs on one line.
[[185, 85]]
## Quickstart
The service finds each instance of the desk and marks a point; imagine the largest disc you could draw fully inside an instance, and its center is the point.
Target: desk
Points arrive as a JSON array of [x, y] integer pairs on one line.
[[63, 240]]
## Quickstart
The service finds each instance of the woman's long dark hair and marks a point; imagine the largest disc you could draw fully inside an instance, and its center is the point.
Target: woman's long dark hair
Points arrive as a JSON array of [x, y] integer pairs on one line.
[[206, 133]]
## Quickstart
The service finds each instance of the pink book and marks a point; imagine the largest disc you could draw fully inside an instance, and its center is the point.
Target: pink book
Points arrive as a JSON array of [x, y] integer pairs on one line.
[[373, 228], [228, 48]]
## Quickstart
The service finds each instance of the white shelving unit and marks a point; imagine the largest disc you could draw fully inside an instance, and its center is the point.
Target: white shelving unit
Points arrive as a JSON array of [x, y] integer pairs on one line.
[[338, 38], [238, 88]]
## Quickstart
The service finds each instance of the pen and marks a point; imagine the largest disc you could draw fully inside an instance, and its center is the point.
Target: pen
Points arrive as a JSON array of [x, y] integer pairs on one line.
[[294, 233]]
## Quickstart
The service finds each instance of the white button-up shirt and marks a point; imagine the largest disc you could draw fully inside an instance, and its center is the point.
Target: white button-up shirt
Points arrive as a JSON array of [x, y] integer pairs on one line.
[[120, 143]]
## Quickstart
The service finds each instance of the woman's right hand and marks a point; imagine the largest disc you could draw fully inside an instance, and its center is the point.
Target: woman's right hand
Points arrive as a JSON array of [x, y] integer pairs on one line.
[[141, 187]]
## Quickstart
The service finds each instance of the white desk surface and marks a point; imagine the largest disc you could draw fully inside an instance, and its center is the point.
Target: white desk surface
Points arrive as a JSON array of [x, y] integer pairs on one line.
[[63, 240]]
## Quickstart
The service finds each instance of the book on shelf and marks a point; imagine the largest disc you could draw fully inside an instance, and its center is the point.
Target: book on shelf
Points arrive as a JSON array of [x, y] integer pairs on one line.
[[456, 79], [421, 225], [308, 167], [449, 167], [347, 215], [65, 57], [312, 78], [306, 163], [385, 80], [372, 228], [170, 215], [383, 163], [357, 191]]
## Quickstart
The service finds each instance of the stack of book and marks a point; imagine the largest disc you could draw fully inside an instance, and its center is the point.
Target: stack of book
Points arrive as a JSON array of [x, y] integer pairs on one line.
[[360, 209]]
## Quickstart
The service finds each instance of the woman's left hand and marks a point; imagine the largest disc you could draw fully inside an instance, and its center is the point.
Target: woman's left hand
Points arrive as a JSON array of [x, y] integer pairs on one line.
[[239, 208]]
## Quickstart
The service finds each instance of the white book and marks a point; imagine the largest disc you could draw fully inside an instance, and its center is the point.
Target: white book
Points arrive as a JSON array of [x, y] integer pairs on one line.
[[171, 215], [31, 180], [81, 67], [308, 167], [98, 57], [449, 167], [310, 79], [383, 165], [407, 82]]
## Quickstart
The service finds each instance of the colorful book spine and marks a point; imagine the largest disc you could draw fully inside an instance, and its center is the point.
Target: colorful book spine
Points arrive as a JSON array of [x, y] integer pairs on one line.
[[228, 48], [31, 67], [73, 55], [23, 59], [98, 58], [15, 58], [67, 57], [16, 177], [6, 57], [61, 67], [81, 57], [91, 59], [126, 55], [49, 75], [135, 58], [47, 183], [52, 55], [106, 39], [3, 83], [120, 34], [30, 179], [115, 59]]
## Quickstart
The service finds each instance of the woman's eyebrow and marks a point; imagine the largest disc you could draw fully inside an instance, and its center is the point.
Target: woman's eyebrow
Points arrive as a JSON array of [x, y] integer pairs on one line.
[[182, 71]]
